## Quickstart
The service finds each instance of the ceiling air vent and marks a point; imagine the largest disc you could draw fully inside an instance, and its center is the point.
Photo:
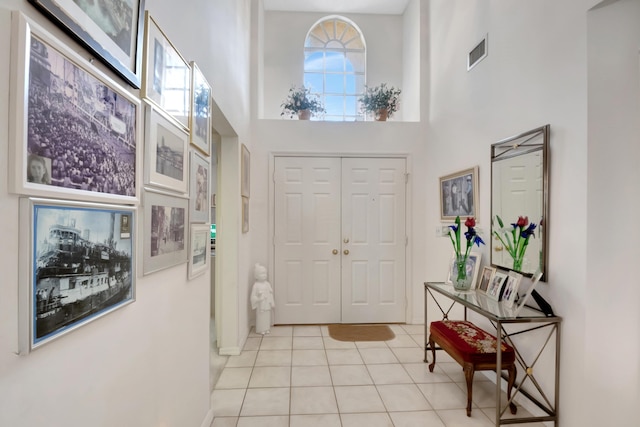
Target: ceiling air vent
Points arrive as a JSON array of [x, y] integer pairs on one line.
[[477, 54]]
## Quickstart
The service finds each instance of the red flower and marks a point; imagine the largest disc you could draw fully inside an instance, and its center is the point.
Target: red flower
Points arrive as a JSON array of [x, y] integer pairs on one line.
[[470, 222], [522, 221]]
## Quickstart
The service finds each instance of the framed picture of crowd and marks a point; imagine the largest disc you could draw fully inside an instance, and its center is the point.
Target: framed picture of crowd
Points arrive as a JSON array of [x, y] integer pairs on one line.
[[165, 238], [77, 264], [167, 75], [112, 30], [459, 195], [74, 132], [167, 145]]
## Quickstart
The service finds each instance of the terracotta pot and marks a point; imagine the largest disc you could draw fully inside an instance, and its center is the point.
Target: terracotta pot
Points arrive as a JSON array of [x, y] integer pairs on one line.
[[381, 115], [304, 114]]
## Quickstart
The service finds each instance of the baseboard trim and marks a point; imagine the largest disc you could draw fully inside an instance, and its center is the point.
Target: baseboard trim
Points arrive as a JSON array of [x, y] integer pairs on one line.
[[208, 420], [229, 351]]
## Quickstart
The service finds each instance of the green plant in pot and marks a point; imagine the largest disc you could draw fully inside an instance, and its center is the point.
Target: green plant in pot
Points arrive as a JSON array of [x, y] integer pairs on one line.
[[300, 102], [381, 100]]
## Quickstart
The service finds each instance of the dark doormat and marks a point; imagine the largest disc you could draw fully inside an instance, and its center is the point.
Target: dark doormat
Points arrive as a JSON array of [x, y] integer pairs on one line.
[[342, 332]]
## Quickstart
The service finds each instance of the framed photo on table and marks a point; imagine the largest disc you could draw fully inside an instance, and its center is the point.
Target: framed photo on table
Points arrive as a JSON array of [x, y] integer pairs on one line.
[[485, 278], [112, 30], [459, 195], [495, 286], [200, 122], [199, 249], [167, 75], [74, 132], [77, 265], [510, 291], [166, 162], [199, 189], [472, 267], [164, 231]]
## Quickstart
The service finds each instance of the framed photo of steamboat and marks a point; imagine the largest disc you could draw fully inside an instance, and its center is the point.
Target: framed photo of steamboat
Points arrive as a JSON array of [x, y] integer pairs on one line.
[[111, 29], [77, 264], [75, 133]]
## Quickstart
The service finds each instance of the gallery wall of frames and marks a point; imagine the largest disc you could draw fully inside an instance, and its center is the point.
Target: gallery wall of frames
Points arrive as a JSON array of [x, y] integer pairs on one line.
[[112, 185]]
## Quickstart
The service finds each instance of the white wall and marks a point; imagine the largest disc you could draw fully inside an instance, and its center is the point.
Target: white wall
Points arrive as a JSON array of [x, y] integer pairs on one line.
[[612, 359], [536, 73], [146, 364]]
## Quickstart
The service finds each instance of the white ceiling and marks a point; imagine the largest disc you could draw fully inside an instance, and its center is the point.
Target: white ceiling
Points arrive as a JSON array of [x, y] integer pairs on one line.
[[384, 7]]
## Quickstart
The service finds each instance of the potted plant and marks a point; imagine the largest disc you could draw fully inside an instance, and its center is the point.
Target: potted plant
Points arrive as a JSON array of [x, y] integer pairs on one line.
[[380, 100], [301, 103]]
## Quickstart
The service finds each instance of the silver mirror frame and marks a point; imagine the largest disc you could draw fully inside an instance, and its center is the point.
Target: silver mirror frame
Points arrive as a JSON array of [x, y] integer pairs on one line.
[[518, 145]]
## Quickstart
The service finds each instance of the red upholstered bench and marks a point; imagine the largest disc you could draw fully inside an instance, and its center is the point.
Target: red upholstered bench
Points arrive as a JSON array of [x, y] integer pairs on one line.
[[474, 349]]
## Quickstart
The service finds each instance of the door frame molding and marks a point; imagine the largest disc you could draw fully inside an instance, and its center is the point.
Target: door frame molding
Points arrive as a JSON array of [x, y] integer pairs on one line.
[[408, 210]]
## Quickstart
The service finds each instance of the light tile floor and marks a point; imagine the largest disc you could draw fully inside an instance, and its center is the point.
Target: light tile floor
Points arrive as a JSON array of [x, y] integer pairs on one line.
[[298, 376]]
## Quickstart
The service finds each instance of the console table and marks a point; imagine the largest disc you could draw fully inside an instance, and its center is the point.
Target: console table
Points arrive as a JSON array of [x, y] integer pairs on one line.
[[507, 327]]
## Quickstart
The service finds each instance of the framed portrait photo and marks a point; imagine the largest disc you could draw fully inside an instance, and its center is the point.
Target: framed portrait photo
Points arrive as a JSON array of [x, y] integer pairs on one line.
[[165, 224], [473, 266], [112, 30], [74, 132], [495, 286], [166, 162], [200, 122], [77, 264], [199, 249], [459, 195], [245, 170], [199, 189], [485, 278], [510, 291], [167, 75]]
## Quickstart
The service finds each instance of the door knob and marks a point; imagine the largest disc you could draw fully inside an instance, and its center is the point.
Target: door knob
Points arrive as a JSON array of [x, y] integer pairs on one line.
[[346, 240], [335, 252], [346, 252]]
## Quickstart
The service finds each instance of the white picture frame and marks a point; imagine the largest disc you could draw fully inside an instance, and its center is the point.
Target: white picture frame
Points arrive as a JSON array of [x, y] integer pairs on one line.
[[199, 188], [527, 295], [199, 249], [166, 146], [166, 74], [84, 139], [485, 278], [200, 119], [497, 282], [77, 264], [165, 230], [472, 268], [510, 291]]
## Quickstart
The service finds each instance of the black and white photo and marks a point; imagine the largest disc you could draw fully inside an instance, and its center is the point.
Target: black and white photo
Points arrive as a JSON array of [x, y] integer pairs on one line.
[[199, 185], [200, 111], [112, 29], [459, 194], [74, 130], [199, 249], [81, 267]]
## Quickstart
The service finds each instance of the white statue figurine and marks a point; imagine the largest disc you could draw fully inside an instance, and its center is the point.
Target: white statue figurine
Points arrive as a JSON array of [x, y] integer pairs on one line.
[[262, 300]]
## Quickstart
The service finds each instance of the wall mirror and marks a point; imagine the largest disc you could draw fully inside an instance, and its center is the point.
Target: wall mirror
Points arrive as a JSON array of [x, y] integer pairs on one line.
[[520, 202]]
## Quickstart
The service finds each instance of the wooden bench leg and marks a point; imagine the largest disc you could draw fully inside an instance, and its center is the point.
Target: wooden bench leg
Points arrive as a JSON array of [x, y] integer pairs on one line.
[[510, 382], [433, 353], [468, 375]]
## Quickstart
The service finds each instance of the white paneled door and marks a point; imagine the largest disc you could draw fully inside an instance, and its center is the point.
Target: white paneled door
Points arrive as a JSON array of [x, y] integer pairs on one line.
[[340, 240]]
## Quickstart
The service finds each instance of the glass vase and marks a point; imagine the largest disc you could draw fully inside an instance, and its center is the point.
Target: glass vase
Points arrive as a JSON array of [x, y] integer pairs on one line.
[[517, 262], [462, 273]]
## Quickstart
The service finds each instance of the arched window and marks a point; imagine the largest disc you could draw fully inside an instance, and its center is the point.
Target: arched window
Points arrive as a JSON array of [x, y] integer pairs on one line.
[[334, 66]]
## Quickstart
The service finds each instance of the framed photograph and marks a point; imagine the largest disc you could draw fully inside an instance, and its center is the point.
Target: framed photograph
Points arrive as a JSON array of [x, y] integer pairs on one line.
[[199, 249], [199, 184], [200, 122], [485, 279], [77, 263], [167, 76], [245, 214], [166, 147], [245, 171], [473, 266], [74, 132], [495, 286], [111, 30], [522, 300], [459, 195], [510, 291], [165, 220]]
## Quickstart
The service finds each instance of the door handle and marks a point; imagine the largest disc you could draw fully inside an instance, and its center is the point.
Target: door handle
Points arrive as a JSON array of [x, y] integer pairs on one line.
[[346, 240], [335, 252], [346, 252]]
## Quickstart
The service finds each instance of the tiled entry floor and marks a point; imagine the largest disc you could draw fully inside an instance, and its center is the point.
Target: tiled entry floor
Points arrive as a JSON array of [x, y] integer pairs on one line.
[[298, 376]]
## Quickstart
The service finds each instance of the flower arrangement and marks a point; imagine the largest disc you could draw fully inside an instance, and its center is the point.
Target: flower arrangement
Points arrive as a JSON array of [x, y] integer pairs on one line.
[[471, 237], [380, 100], [300, 100], [515, 238]]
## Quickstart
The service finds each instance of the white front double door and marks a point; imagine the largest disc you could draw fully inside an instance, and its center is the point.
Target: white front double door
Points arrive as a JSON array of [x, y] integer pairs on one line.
[[340, 240]]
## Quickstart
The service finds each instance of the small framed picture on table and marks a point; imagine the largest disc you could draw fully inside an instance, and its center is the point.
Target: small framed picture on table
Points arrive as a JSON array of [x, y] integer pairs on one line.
[[511, 288], [496, 284]]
